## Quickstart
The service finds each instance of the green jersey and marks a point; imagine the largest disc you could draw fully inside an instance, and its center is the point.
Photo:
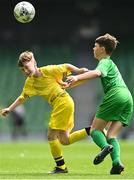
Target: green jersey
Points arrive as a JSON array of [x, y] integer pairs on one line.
[[117, 104], [111, 76]]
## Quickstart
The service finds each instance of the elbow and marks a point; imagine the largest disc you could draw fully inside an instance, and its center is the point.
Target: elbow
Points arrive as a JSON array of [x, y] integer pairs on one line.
[[21, 100], [69, 67]]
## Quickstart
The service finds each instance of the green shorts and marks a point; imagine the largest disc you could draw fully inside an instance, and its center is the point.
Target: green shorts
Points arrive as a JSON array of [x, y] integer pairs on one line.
[[117, 105]]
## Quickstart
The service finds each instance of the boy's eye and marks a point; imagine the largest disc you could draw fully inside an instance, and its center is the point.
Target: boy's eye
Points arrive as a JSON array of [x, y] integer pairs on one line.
[[22, 69]]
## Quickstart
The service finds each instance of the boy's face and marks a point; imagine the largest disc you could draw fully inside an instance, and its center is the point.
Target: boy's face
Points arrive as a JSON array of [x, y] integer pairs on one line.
[[98, 50], [28, 68]]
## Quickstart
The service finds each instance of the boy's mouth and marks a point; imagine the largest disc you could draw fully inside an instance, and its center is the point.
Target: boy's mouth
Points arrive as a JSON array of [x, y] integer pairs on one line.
[[29, 74]]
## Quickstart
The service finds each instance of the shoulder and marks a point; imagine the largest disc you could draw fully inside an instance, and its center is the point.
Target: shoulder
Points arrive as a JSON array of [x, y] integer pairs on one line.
[[28, 80], [54, 69], [46, 68], [105, 62]]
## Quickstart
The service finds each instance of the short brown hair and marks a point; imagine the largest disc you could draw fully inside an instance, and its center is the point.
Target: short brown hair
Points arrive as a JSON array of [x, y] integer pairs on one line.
[[24, 57], [107, 41]]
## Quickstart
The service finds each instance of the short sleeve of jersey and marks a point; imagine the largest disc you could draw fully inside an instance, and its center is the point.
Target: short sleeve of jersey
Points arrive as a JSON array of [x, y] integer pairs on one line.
[[59, 71], [27, 91], [103, 66], [23, 96]]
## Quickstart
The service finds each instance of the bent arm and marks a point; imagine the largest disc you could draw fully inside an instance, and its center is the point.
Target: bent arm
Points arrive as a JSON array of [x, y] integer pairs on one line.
[[73, 81], [75, 69]]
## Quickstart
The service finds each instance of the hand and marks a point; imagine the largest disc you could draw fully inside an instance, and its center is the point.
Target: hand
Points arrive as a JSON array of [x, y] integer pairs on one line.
[[71, 80], [83, 70], [4, 112], [63, 84]]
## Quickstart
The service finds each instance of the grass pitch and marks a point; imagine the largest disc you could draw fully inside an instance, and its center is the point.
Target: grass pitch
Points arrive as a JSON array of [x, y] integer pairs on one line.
[[33, 161]]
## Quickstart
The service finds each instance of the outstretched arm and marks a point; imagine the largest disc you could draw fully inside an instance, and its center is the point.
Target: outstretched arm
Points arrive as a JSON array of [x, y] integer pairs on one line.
[[16, 103], [88, 75], [76, 70], [76, 80]]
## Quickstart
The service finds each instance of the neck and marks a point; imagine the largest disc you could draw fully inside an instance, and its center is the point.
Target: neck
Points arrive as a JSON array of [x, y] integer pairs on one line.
[[103, 56], [38, 73]]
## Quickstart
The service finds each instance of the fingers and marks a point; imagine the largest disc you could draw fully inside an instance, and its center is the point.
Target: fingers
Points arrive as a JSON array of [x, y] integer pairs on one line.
[[62, 83], [65, 85], [71, 79], [85, 70], [68, 80], [68, 83], [4, 112]]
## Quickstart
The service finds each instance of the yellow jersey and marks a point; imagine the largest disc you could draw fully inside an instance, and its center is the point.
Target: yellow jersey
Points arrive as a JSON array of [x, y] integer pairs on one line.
[[47, 85]]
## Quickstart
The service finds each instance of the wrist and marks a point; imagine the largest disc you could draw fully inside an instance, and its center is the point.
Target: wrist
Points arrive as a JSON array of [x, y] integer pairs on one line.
[[77, 78], [9, 109]]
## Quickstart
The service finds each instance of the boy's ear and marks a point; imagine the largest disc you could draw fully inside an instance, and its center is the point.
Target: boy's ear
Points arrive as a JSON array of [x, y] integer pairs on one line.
[[103, 49]]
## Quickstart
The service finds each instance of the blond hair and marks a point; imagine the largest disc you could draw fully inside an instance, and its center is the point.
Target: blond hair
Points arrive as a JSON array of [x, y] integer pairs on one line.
[[25, 56]]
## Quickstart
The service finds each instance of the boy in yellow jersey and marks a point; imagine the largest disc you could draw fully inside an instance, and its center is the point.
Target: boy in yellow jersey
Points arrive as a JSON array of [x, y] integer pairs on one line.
[[45, 82]]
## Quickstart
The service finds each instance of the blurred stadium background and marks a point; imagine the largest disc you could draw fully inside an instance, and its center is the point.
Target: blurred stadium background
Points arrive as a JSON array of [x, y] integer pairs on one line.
[[63, 31]]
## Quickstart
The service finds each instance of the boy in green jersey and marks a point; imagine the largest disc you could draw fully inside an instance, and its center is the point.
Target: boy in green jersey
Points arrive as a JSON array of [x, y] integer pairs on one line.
[[116, 107]]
